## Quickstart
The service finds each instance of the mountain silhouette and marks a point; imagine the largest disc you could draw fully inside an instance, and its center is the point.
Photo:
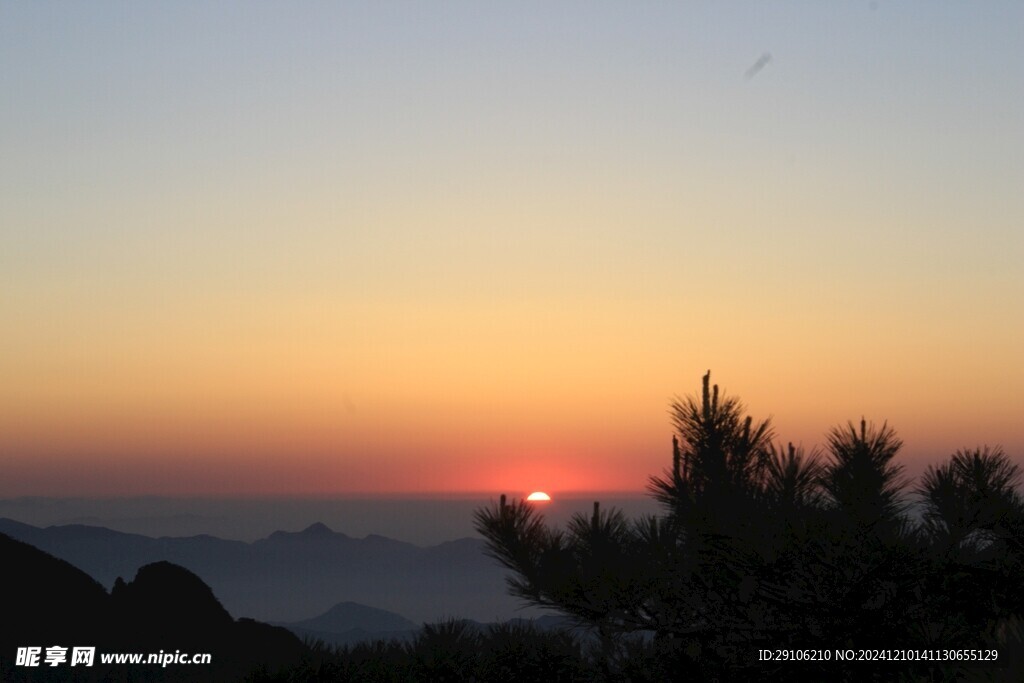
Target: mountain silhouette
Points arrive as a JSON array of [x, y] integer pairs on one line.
[[36, 587], [349, 615], [319, 528], [291, 574], [47, 601], [348, 623], [175, 594]]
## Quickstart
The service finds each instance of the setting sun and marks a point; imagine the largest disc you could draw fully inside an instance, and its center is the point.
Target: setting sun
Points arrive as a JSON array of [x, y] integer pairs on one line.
[[539, 497]]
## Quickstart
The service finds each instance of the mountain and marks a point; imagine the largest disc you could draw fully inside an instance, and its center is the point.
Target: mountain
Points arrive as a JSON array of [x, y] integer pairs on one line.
[[37, 586], [346, 616], [289, 575], [47, 602], [348, 623]]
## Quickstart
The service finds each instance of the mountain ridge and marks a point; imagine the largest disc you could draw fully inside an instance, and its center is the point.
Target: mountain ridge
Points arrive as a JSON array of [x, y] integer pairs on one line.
[[50, 603], [291, 574]]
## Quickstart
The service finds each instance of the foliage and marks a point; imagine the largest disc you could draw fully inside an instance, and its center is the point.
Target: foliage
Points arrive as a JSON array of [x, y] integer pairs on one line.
[[454, 651], [760, 546]]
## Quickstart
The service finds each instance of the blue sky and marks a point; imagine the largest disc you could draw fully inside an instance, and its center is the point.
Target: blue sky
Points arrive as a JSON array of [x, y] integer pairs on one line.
[[491, 227]]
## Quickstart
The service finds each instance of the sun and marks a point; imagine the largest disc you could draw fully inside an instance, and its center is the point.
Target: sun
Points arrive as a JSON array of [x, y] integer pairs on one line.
[[539, 497]]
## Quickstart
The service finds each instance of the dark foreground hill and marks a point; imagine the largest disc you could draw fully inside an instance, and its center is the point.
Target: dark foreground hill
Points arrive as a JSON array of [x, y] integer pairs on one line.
[[291, 575], [47, 603]]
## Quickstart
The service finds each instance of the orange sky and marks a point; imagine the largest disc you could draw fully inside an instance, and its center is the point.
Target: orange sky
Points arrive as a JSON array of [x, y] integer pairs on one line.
[[343, 249]]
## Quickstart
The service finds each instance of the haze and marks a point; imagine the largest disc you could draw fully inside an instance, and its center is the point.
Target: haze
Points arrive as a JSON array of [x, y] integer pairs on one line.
[[359, 248]]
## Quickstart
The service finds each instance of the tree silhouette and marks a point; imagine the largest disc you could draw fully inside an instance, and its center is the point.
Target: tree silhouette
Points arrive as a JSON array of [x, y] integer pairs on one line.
[[862, 482], [688, 576], [972, 524], [761, 546], [969, 500]]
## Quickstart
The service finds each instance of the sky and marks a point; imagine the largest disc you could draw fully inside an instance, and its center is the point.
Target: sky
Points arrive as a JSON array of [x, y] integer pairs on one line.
[[317, 248]]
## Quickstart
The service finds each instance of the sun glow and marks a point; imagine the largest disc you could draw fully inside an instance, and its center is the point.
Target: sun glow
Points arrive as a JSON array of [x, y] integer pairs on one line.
[[539, 497]]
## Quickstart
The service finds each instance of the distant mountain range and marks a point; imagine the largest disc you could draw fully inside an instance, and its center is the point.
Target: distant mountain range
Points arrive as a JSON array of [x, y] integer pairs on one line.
[[289, 576], [166, 610]]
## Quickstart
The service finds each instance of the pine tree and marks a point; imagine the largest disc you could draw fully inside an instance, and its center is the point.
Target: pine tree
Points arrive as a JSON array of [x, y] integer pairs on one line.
[[763, 546]]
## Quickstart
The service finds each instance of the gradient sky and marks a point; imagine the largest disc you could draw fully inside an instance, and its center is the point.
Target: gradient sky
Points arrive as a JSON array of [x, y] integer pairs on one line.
[[253, 248]]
